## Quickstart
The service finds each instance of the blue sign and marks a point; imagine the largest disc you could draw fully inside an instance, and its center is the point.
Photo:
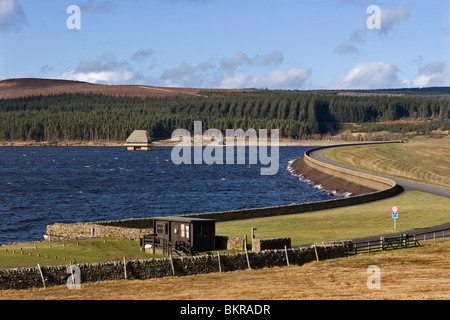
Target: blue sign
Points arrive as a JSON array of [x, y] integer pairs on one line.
[[394, 215]]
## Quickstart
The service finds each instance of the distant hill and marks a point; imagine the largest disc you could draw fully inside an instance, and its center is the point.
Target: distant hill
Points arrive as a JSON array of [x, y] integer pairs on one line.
[[61, 110], [22, 87]]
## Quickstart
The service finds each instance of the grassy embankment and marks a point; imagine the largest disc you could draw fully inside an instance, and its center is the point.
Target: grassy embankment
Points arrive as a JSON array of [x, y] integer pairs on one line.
[[421, 159]]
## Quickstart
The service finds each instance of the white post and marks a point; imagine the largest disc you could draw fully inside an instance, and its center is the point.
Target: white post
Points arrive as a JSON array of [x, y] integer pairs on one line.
[[317, 255], [125, 268], [171, 263], [287, 258], [218, 258], [42, 276], [248, 260]]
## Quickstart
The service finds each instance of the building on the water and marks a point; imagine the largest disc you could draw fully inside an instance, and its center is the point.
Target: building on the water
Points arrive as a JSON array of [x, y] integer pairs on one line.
[[138, 140]]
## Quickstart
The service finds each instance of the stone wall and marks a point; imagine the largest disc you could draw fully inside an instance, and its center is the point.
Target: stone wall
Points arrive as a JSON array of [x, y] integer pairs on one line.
[[229, 243], [270, 244], [84, 229], [156, 268]]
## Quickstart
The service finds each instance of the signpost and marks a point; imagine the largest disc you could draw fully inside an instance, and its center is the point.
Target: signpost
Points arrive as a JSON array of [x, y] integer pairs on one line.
[[395, 215]]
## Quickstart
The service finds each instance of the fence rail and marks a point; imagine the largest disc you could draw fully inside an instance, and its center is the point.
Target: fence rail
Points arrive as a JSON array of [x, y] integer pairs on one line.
[[404, 240]]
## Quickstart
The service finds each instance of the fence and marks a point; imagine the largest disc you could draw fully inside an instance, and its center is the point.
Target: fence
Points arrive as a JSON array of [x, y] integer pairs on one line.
[[46, 276], [404, 240]]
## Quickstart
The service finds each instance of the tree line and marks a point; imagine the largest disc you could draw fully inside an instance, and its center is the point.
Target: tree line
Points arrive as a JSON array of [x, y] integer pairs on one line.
[[297, 114]]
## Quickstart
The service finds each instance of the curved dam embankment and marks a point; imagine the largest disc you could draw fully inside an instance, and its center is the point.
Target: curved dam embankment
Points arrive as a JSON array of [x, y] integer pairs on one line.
[[363, 188], [333, 177]]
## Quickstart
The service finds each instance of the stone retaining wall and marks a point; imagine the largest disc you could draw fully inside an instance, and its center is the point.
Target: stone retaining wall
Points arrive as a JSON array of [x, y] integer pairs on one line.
[[229, 243], [22, 278], [84, 229], [270, 244]]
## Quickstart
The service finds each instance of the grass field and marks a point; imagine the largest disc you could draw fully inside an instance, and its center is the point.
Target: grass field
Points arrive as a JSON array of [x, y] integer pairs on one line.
[[415, 273], [63, 253], [347, 223], [327, 225], [421, 159]]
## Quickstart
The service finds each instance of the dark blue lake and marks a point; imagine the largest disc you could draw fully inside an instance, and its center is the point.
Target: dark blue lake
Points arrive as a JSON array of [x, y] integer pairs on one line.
[[44, 185]]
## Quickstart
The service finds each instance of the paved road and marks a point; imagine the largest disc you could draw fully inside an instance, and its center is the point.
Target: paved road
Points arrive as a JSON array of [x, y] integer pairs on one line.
[[406, 184]]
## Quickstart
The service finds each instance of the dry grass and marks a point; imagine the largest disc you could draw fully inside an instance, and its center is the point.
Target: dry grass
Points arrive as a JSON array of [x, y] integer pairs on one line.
[[424, 160], [411, 274]]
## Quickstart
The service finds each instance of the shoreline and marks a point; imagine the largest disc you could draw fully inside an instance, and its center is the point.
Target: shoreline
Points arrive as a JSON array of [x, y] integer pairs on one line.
[[161, 143], [326, 181]]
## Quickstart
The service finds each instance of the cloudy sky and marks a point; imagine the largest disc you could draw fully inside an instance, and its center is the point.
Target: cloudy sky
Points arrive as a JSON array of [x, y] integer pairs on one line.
[[282, 44]]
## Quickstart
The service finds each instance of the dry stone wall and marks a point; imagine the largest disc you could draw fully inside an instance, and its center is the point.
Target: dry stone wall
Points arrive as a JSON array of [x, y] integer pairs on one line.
[[22, 278], [270, 244]]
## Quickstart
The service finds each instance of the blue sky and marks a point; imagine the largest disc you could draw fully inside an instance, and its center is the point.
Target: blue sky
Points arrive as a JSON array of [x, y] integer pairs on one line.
[[283, 44]]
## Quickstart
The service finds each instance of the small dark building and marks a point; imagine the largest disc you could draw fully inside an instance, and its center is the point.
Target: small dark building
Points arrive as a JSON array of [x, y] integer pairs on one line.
[[180, 233]]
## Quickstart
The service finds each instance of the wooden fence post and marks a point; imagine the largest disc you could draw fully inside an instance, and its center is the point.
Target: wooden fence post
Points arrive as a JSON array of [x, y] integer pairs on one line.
[[125, 268], [287, 258], [246, 254], [317, 255], [218, 258], [42, 276], [171, 263]]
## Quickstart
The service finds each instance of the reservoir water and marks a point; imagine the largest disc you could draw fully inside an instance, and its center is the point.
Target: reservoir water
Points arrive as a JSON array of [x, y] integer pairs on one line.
[[44, 185]]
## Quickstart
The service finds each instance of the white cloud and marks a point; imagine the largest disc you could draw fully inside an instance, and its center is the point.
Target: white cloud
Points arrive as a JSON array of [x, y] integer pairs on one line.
[[390, 17], [142, 55], [350, 45], [432, 74], [104, 70], [371, 75], [186, 75], [273, 58], [96, 6], [237, 60], [381, 75], [12, 16], [100, 77], [277, 79]]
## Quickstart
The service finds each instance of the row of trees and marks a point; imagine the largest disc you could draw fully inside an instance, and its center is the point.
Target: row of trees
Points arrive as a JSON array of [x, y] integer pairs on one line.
[[295, 114]]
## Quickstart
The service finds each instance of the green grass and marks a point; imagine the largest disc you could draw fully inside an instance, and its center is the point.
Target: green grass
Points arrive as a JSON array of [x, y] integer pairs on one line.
[[75, 252], [62, 253], [416, 210], [423, 160]]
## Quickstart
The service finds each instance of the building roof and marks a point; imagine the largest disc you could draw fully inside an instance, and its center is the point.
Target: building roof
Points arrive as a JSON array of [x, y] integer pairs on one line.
[[139, 137], [183, 219]]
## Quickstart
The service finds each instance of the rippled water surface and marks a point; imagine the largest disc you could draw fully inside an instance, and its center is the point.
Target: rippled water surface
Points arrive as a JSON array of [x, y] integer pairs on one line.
[[44, 185]]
